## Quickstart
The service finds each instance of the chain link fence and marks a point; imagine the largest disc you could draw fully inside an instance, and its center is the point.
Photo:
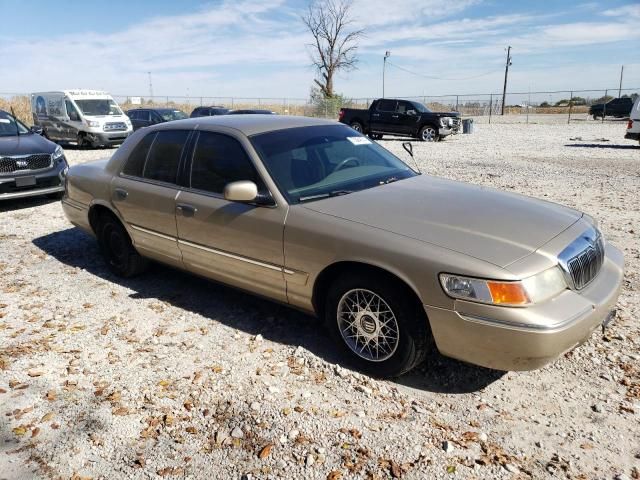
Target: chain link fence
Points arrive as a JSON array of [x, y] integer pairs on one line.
[[563, 105]]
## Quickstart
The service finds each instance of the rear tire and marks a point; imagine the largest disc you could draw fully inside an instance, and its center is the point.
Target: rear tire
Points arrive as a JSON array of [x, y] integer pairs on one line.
[[117, 249], [375, 136], [357, 126], [361, 311]]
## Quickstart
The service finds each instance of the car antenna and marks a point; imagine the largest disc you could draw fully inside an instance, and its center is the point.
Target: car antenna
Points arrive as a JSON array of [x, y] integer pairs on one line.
[[15, 120], [408, 146]]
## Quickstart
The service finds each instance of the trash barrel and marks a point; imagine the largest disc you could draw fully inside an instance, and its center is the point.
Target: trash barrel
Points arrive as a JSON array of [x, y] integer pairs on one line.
[[467, 125]]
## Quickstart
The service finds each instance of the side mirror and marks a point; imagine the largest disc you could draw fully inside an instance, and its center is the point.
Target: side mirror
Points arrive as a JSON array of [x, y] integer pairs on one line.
[[241, 191], [408, 146], [37, 130], [73, 116]]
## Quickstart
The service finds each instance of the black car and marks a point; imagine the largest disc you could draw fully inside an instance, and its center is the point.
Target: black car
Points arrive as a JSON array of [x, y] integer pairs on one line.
[[387, 116], [30, 164], [251, 112], [143, 117], [209, 111], [618, 107]]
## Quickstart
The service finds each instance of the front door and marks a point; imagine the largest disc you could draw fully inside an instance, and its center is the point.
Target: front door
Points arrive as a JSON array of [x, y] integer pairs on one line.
[[406, 118], [145, 191], [236, 243]]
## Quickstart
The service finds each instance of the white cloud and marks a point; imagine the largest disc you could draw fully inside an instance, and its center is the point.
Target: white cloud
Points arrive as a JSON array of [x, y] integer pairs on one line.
[[629, 11]]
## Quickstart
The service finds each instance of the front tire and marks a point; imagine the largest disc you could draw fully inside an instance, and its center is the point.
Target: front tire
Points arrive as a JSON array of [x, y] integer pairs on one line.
[[117, 249], [428, 133], [377, 323], [375, 136]]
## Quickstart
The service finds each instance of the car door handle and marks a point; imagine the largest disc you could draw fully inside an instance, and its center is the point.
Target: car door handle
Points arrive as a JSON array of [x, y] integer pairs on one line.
[[186, 210], [120, 194], [375, 114], [394, 116]]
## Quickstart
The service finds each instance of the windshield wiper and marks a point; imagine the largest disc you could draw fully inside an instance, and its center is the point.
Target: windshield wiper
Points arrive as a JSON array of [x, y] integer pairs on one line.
[[389, 180], [333, 193]]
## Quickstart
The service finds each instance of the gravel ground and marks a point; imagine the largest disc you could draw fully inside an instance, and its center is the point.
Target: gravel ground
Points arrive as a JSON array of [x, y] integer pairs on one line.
[[168, 375]]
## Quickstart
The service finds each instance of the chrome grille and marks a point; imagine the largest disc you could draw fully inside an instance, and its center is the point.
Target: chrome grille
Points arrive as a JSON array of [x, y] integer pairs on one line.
[[38, 161], [114, 126], [583, 259]]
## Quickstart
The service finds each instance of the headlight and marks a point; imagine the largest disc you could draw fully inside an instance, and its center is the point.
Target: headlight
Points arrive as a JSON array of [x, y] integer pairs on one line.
[[534, 289], [58, 153], [446, 121], [93, 123]]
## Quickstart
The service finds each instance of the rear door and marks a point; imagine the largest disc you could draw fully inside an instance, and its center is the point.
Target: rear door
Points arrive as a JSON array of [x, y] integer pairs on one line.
[[145, 191], [382, 117], [237, 243]]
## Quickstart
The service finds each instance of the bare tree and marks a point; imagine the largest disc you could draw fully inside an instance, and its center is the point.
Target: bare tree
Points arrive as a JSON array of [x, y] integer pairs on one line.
[[335, 43]]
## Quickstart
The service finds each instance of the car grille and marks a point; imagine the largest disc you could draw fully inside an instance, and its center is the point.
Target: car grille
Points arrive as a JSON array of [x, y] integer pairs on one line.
[[37, 161], [114, 126], [583, 266]]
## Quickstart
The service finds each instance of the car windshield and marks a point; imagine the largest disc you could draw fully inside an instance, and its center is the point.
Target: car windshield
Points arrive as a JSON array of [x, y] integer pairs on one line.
[[98, 107], [10, 127], [169, 115], [420, 107], [311, 163]]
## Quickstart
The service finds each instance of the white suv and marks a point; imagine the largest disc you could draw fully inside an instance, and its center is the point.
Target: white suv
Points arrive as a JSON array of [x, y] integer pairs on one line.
[[633, 127]]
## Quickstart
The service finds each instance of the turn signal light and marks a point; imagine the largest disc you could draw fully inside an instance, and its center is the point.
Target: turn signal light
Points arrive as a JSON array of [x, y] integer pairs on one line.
[[511, 293]]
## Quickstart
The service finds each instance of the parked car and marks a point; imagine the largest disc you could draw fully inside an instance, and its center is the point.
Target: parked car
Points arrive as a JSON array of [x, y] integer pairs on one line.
[[209, 111], [313, 214], [88, 117], [30, 164], [618, 107], [633, 127], [249, 111], [143, 117], [401, 117]]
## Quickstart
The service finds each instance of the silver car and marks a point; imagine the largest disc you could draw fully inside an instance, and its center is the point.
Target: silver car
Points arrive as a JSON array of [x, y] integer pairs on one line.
[[311, 213]]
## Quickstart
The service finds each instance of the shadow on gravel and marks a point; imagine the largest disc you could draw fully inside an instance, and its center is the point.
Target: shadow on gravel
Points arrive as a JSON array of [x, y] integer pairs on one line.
[[249, 313], [21, 203], [601, 145]]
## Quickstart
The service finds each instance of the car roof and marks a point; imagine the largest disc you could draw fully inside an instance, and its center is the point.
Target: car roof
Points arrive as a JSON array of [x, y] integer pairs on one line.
[[251, 124]]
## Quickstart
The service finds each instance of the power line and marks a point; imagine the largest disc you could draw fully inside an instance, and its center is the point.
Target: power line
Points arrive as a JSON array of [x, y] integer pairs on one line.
[[432, 77]]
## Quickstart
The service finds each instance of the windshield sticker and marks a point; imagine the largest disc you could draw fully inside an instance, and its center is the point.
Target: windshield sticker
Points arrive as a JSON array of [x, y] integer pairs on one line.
[[5, 120], [359, 140]]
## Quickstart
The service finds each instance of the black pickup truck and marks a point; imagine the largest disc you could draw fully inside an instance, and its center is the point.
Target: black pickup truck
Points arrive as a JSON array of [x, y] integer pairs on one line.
[[618, 107], [403, 118]]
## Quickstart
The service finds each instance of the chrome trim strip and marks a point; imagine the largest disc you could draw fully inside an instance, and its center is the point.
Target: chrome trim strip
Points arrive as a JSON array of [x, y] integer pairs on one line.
[[71, 204], [151, 232], [231, 255], [522, 326]]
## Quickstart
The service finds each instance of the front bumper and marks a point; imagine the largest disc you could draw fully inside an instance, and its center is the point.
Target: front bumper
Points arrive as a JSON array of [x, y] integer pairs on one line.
[[527, 338], [444, 131], [632, 136], [46, 182], [111, 138]]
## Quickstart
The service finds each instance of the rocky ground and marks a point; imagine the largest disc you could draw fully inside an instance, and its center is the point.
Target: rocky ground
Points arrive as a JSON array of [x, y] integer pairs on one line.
[[167, 375]]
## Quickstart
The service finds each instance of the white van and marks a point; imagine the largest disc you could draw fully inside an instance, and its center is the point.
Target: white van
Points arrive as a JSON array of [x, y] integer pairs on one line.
[[633, 127], [88, 117]]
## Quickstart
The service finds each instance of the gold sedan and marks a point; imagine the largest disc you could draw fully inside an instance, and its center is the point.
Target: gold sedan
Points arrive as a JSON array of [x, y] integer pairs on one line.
[[310, 213]]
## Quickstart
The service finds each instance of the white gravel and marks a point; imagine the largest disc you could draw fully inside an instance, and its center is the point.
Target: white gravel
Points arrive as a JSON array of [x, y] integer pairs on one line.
[[168, 375]]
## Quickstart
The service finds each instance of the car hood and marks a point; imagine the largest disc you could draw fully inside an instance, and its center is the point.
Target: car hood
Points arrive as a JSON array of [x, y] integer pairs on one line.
[[444, 114], [25, 144], [491, 225]]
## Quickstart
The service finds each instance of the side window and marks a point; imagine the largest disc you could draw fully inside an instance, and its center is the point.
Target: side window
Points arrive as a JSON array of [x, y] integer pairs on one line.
[[387, 105], [132, 115], [135, 162], [72, 113], [164, 157], [404, 107], [219, 159]]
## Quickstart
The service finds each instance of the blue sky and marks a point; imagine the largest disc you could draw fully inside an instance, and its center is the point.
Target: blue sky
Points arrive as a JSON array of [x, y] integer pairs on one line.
[[249, 48]]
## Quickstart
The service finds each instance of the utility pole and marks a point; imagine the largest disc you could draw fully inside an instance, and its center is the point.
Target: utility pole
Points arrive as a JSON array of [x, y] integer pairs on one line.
[[150, 87], [620, 87], [506, 74], [387, 54]]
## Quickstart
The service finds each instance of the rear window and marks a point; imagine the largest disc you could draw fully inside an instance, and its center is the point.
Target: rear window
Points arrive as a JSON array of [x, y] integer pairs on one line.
[[386, 105]]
